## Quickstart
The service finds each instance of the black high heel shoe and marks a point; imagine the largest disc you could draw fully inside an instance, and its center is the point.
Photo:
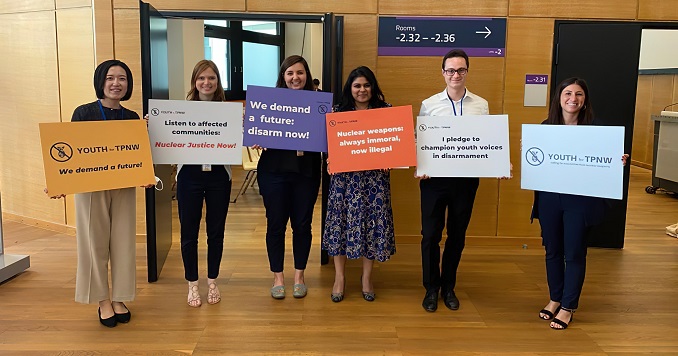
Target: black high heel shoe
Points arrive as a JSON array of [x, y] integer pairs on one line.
[[368, 296], [108, 322], [562, 323], [549, 315], [338, 297], [124, 317]]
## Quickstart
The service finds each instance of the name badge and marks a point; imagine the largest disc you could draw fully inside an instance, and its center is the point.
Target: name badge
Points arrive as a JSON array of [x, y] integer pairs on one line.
[[206, 167]]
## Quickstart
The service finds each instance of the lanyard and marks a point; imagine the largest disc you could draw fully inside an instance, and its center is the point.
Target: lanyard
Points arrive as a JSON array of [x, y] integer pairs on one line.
[[103, 114], [461, 104]]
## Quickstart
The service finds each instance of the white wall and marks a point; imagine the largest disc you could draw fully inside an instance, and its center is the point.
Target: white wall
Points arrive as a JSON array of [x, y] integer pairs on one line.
[[312, 49], [659, 49], [185, 49]]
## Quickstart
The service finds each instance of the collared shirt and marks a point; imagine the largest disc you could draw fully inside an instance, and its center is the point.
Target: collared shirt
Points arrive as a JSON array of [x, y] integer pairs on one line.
[[441, 105]]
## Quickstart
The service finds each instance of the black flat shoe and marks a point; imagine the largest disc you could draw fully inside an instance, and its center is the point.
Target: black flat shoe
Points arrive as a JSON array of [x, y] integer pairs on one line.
[[451, 300], [124, 317], [430, 302], [108, 322], [369, 296]]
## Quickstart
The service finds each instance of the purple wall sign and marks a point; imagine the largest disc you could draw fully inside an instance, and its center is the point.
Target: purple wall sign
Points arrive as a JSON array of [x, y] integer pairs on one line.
[[536, 79], [435, 36], [286, 119]]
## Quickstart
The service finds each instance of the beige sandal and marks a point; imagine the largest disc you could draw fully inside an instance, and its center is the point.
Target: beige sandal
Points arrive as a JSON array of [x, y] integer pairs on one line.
[[213, 295], [194, 296]]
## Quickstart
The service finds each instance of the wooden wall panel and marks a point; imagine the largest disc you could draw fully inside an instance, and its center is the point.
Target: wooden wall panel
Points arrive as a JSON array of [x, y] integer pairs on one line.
[[67, 4], [128, 50], [408, 81], [575, 9], [75, 34], [497, 8], [202, 5], [31, 95], [126, 4], [103, 30], [14, 6], [529, 44], [360, 43], [314, 6], [643, 127], [76, 58], [654, 93], [662, 10]]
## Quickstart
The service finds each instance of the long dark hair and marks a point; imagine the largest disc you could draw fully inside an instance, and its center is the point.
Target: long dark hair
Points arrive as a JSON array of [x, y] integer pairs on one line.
[[200, 67], [585, 116], [288, 62], [348, 102], [101, 72]]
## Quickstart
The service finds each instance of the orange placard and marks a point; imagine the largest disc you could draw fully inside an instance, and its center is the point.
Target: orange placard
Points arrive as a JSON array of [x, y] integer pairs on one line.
[[370, 139], [95, 155]]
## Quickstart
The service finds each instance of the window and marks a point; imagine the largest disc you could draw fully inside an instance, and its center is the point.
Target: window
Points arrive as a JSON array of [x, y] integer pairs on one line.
[[216, 50], [246, 52]]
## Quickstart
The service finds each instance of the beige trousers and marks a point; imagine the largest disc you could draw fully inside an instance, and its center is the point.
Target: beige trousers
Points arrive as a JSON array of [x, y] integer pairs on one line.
[[106, 231]]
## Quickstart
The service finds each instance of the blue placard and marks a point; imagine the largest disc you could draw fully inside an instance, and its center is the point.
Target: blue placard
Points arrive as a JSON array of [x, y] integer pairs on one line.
[[435, 36], [286, 119]]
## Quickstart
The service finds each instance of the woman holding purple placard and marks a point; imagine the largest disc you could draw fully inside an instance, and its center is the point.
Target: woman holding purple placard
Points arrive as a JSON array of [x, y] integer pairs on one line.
[[289, 182]]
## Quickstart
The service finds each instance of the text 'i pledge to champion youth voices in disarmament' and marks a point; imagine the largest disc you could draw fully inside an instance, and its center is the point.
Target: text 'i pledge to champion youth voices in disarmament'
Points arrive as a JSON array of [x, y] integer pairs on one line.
[[472, 146]]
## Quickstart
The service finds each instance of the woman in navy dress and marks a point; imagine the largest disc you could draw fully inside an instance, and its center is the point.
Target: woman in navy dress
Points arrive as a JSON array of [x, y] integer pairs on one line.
[[359, 221]]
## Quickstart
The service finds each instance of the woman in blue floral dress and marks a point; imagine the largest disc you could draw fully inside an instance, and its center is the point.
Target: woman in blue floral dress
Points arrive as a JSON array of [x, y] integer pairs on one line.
[[359, 221]]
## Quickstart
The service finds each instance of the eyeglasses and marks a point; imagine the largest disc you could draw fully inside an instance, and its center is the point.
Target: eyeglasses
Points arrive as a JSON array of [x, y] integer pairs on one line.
[[462, 71]]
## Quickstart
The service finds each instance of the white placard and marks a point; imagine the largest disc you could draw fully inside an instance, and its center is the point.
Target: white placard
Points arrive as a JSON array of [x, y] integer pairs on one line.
[[573, 159], [463, 146], [195, 132]]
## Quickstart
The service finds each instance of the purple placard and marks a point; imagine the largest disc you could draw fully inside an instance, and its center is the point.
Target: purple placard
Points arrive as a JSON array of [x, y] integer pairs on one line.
[[536, 79], [439, 51], [286, 119]]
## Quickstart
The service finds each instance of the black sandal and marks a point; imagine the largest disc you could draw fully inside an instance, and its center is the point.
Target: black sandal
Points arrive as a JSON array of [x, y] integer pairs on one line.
[[562, 323], [550, 315]]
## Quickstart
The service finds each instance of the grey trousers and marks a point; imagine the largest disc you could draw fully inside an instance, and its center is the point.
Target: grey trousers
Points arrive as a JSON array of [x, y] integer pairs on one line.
[[106, 231]]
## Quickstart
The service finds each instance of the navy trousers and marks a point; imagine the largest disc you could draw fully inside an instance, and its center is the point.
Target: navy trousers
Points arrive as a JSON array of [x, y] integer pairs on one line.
[[288, 197], [456, 195], [214, 187], [565, 220]]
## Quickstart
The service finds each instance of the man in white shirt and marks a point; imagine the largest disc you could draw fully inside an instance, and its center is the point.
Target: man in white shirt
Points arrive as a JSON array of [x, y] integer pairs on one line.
[[454, 194]]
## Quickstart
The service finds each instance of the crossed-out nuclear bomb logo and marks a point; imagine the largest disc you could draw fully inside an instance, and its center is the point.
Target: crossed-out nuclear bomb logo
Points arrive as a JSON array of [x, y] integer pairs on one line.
[[61, 152], [534, 156], [422, 127]]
